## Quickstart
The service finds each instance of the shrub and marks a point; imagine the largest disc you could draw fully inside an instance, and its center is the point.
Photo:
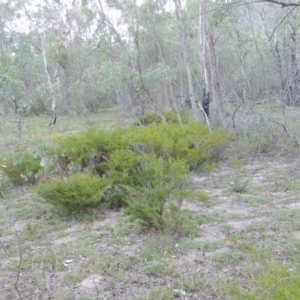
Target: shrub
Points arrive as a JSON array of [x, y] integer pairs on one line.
[[22, 168], [191, 142], [144, 168], [153, 118], [147, 206], [122, 166], [89, 149], [156, 202], [149, 118], [82, 150], [76, 193]]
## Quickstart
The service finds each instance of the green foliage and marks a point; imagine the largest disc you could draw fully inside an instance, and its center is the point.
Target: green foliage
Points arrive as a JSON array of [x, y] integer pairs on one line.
[[271, 278], [239, 186], [82, 150], [157, 202], [161, 293], [73, 276], [22, 168], [278, 282], [191, 142], [149, 118], [123, 166], [145, 169], [158, 269], [158, 181], [147, 206], [5, 185], [76, 193], [169, 116], [28, 163]]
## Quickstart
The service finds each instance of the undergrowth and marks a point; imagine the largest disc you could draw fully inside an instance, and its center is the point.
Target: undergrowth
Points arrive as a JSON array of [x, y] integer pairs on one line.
[[78, 192], [168, 117], [144, 169], [271, 278]]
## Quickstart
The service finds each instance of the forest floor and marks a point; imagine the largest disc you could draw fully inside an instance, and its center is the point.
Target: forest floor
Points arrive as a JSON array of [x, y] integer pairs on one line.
[[252, 215], [253, 204]]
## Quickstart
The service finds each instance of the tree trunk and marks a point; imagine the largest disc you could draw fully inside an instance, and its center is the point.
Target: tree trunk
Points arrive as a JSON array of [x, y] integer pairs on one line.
[[203, 64], [186, 57], [50, 84], [216, 92], [278, 64]]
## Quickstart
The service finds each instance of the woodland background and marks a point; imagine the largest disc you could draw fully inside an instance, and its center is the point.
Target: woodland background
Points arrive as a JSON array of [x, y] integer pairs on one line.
[[93, 208], [76, 57]]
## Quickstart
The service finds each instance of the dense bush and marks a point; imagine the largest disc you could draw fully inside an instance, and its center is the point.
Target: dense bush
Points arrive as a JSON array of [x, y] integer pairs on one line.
[[158, 181], [76, 193], [142, 168], [191, 142]]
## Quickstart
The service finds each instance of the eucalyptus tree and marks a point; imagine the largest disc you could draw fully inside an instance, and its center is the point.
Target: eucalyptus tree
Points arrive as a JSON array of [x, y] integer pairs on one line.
[[11, 86], [186, 57], [142, 58], [280, 28]]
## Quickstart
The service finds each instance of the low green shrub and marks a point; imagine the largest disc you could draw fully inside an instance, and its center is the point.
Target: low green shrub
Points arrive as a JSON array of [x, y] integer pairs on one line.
[[149, 118], [77, 193], [143, 168], [169, 116], [82, 150], [191, 142], [122, 166], [156, 202], [22, 168], [148, 207], [239, 185], [28, 163]]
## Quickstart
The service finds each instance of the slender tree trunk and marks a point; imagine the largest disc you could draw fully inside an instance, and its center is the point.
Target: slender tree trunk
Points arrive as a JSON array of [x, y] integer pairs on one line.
[[278, 64], [144, 93], [50, 84], [211, 53], [203, 64], [186, 57], [294, 81], [273, 46], [175, 103], [172, 101]]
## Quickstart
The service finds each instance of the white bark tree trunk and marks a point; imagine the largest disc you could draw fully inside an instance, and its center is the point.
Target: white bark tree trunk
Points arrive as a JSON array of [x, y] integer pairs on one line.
[[186, 56], [214, 76], [203, 64], [50, 84]]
